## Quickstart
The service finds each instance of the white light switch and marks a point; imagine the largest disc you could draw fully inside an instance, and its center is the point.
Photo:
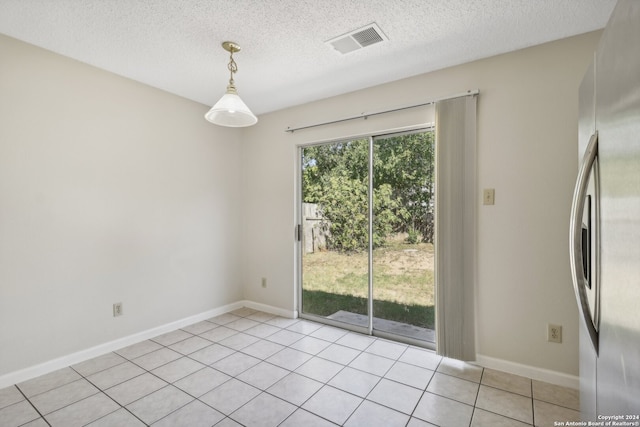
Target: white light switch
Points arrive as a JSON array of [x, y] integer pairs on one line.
[[489, 196]]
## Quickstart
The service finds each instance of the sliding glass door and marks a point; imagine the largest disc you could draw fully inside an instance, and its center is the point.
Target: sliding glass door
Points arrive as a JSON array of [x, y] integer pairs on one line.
[[403, 230], [367, 234], [335, 243]]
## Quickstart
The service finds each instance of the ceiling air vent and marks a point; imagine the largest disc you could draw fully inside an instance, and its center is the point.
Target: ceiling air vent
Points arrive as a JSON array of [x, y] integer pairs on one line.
[[357, 39]]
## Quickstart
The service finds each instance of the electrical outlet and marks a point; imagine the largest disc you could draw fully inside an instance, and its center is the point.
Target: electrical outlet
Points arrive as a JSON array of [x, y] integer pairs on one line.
[[117, 309], [264, 282], [489, 196], [554, 333]]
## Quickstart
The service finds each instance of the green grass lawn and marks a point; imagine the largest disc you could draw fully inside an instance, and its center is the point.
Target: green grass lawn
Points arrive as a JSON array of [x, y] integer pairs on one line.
[[402, 279]]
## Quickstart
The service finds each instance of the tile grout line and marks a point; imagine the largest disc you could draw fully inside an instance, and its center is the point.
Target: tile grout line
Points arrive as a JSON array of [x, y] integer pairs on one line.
[[325, 383], [43, 416], [263, 354], [261, 391], [104, 392], [167, 346], [32, 405], [397, 382], [424, 392], [475, 401], [342, 369], [533, 407], [186, 355], [228, 416]]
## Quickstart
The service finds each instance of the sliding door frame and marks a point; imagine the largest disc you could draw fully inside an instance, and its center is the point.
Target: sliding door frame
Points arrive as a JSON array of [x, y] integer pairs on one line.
[[369, 329]]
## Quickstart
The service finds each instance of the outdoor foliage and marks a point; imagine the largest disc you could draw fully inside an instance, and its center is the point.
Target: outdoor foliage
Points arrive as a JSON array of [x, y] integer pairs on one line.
[[344, 203], [403, 283], [407, 164], [335, 176]]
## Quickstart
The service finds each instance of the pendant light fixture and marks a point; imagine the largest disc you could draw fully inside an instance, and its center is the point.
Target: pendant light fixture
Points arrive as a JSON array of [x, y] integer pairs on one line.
[[230, 110]]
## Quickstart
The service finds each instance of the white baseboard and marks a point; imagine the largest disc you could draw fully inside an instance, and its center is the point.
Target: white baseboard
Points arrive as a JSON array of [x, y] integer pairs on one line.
[[89, 353], [292, 314], [16, 377], [540, 374]]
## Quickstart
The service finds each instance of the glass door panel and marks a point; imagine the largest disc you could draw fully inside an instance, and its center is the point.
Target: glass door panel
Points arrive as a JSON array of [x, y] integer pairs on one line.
[[367, 234], [335, 234], [403, 233]]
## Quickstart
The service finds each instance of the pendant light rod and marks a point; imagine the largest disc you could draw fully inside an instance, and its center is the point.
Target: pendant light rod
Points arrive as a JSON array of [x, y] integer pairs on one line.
[[232, 48], [230, 110]]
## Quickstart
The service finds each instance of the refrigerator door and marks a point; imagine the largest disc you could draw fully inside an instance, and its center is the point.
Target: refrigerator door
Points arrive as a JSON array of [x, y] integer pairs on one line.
[[588, 356], [618, 124], [583, 238], [591, 207]]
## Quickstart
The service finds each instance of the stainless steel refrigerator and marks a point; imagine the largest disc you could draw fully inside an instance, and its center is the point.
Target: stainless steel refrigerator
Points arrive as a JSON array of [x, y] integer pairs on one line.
[[605, 223]]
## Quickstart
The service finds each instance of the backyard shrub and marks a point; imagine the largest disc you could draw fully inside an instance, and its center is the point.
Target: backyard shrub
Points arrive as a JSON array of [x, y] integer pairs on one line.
[[412, 236], [344, 207]]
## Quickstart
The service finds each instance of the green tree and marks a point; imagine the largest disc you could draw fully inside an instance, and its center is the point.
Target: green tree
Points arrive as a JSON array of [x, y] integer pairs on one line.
[[335, 176], [407, 164], [344, 204]]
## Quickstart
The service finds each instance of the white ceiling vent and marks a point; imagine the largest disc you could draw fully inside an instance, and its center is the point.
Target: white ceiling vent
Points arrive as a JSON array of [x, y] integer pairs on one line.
[[357, 39]]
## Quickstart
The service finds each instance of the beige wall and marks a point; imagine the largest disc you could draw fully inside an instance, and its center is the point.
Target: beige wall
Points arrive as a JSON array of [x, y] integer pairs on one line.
[[527, 151], [110, 191]]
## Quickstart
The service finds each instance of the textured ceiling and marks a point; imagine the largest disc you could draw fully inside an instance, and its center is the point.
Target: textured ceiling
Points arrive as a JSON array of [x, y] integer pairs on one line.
[[174, 45]]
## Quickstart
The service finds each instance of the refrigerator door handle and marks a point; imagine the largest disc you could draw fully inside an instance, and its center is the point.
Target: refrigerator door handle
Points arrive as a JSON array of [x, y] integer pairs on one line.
[[575, 238]]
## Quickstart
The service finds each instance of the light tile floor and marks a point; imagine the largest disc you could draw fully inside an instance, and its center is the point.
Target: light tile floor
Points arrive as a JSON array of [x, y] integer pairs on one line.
[[248, 368]]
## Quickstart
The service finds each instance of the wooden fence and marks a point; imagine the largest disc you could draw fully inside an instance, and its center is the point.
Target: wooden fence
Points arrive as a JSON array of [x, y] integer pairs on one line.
[[315, 229]]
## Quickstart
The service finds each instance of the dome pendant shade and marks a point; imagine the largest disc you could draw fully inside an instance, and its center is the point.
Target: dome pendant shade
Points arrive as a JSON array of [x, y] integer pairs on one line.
[[230, 110]]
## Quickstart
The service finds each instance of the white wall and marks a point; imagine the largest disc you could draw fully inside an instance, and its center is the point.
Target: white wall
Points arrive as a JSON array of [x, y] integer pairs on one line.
[[527, 151], [110, 191]]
